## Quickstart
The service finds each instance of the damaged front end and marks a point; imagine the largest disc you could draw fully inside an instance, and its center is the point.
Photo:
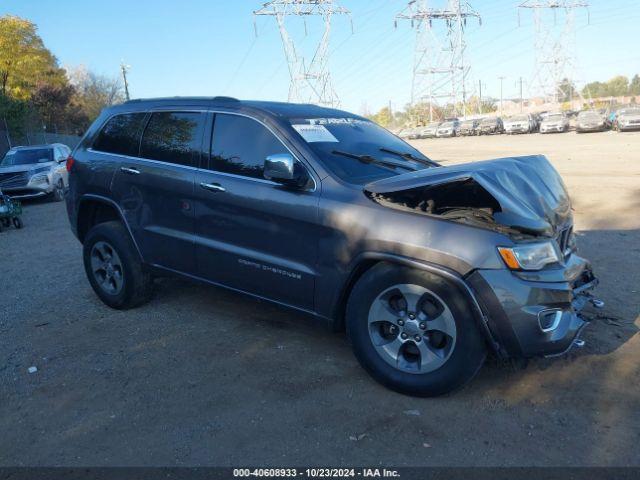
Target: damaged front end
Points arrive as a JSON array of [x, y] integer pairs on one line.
[[532, 309], [522, 195]]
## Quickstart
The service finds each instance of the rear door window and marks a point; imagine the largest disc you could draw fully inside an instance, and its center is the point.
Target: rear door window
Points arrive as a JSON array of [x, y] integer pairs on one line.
[[121, 135], [173, 137], [241, 144]]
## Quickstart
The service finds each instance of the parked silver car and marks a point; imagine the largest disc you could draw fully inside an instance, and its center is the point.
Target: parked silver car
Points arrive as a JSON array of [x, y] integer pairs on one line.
[[628, 119], [524, 123], [469, 127], [36, 171], [591, 121], [555, 123], [448, 129], [430, 130]]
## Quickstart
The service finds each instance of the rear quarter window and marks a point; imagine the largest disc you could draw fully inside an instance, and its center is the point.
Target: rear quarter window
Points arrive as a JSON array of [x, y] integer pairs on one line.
[[120, 135]]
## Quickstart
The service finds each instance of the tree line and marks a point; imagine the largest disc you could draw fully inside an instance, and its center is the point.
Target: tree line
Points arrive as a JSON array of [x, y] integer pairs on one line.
[[37, 94]]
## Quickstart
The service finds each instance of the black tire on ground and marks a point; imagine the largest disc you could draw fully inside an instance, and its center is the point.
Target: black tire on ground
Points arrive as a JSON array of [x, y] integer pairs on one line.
[[464, 361], [58, 191], [17, 222], [137, 286]]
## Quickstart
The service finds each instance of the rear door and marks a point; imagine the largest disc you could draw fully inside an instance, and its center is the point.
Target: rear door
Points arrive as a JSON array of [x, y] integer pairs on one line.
[[251, 233], [155, 188]]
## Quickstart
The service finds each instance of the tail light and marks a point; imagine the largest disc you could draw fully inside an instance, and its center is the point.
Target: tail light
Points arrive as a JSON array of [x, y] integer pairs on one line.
[[70, 162]]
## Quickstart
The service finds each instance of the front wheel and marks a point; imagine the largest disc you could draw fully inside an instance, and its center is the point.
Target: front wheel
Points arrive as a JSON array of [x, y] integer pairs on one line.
[[413, 331], [58, 191]]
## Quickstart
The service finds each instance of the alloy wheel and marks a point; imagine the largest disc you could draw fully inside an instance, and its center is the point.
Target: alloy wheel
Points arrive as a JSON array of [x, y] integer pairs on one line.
[[412, 328], [107, 268]]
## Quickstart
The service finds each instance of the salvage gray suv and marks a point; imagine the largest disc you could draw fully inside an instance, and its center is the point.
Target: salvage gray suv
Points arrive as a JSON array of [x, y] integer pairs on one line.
[[429, 268]]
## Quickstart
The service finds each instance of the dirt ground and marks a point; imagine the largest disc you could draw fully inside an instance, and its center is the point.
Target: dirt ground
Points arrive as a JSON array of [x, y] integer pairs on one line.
[[202, 376]]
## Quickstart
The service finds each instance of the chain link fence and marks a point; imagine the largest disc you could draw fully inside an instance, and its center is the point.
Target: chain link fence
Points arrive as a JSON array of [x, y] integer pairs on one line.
[[35, 138]]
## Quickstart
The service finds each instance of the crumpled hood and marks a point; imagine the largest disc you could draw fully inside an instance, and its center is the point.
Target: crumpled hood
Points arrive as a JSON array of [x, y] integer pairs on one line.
[[530, 192]]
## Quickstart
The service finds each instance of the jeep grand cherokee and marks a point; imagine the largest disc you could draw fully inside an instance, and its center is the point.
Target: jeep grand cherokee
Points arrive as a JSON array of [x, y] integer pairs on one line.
[[428, 268]]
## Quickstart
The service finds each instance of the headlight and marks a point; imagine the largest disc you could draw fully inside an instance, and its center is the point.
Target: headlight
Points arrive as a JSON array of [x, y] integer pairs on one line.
[[533, 256], [40, 178]]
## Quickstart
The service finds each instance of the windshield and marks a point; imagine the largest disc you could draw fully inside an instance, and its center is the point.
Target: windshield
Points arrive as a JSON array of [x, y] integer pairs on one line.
[[554, 118], [630, 111], [330, 138], [467, 123], [489, 121], [447, 125], [27, 157], [519, 118]]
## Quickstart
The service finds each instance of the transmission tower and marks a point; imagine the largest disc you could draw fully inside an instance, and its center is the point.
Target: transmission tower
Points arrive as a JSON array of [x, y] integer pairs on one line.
[[555, 45], [310, 80], [439, 68]]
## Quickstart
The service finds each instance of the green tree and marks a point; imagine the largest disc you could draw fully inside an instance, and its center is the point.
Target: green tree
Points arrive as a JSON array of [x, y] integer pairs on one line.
[[383, 117], [634, 86], [566, 91], [95, 92], [618, 86], [24, 60]]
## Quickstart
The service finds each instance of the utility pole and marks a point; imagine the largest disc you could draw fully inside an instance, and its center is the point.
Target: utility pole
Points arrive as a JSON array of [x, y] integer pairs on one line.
[[310, 81], [521, 96], [439, 68], [501, 97], [480, 98], [125, 68], [555, 49]]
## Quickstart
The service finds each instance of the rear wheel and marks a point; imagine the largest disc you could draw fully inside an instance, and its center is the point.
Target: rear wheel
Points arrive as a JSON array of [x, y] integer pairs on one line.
[[413, 331], [114, 268], [17, 222]]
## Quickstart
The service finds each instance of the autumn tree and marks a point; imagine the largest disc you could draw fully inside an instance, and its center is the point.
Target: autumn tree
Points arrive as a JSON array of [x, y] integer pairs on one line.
[[24, 60], [95, 92]]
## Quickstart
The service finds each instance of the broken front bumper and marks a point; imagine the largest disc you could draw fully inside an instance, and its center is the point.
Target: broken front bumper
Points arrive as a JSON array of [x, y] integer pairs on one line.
[[536, 313]]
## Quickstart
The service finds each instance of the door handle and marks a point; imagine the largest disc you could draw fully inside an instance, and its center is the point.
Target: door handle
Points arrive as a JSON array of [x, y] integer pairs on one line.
[[213, 187], [130, 171]]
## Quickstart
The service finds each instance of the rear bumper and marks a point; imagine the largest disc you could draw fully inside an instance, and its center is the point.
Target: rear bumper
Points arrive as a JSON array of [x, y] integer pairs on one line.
[[590, 128], [516, 130], [628, 128], [538, 313], [559, 129]]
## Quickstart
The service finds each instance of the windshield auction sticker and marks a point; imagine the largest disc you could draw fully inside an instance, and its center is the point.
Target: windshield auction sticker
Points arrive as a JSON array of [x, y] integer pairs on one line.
[[315, 133]]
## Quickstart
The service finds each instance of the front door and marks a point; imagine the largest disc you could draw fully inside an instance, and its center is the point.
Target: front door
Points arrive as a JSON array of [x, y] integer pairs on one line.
[[253, 234]]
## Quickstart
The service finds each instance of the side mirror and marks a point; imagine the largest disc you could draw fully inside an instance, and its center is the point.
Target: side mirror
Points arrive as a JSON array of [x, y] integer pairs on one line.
[[283, 168]]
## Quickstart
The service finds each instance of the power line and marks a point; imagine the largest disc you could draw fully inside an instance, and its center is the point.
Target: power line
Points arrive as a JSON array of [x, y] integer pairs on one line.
[[310, 81], [438, 56], [555, 57]]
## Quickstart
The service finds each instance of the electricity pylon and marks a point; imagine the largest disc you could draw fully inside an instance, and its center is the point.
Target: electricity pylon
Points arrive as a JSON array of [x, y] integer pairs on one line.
[[555, 45], [310, 80], [439, 67]]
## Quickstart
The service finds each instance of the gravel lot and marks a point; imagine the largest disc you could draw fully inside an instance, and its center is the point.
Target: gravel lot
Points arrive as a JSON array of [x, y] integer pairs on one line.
[[202, 376]]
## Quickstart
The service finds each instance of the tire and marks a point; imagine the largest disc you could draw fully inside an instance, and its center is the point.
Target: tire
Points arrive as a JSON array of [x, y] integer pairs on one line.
[[114, 268], [58, 191], [459, 353], [17, 222]]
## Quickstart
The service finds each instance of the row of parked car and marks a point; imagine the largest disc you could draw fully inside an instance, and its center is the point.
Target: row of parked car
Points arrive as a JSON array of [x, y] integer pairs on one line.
[[624, 119]]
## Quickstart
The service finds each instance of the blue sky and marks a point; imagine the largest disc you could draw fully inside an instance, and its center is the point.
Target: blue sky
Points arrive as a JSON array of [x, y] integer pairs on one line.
[[208, 47]]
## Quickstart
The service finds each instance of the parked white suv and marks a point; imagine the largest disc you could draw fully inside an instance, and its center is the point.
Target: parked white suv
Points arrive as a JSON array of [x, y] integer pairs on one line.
[[35, 171]]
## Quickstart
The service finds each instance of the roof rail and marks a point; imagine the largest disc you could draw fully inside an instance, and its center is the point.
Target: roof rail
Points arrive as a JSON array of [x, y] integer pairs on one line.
[[169, 99]]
